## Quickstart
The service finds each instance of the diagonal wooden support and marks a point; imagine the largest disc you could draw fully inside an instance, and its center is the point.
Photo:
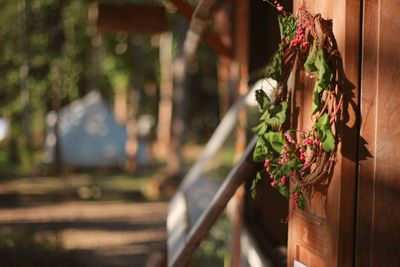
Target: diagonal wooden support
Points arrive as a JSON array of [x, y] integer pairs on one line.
[[199, 24]]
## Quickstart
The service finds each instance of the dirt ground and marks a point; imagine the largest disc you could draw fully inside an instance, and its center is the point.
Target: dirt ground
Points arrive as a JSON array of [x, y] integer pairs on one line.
[[98, 233]]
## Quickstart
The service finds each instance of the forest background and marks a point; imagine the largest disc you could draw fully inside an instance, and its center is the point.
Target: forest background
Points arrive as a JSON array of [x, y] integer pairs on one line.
[[51, 55]]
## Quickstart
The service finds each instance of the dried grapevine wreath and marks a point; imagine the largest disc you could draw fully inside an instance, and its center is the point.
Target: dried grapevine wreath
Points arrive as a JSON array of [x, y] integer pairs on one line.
[[306, 157]]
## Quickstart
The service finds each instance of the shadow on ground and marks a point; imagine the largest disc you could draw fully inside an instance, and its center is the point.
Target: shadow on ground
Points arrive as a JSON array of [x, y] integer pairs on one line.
[[82, 233]]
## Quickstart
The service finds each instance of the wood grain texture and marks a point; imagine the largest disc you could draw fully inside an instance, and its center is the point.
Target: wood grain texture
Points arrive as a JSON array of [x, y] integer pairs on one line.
[[199, 24], [378, 222], [333, 207], [137, 19]]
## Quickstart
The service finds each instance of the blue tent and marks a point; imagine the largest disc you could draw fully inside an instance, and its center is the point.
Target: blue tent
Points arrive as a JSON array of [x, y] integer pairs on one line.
[[89, 135]]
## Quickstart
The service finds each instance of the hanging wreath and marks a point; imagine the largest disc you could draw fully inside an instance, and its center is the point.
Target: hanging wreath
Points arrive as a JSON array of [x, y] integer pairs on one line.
[[306, 157]]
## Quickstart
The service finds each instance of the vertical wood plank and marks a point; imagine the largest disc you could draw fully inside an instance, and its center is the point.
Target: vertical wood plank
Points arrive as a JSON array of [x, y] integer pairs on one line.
[[241, 56], [333, 211], [378, 222]]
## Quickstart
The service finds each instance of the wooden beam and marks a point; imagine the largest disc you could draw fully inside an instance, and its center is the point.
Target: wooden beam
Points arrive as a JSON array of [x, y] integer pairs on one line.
[[136, 19], [199, 24], [202, 226]]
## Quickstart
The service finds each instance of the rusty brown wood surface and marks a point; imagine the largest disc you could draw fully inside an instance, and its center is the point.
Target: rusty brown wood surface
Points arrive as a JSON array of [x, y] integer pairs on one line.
[[241, 57], [137, 19], [199, 25], [378, 221], [323, 234]]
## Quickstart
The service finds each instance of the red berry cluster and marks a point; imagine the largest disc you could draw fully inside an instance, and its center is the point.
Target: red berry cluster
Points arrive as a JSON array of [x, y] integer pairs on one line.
[[294, 200], [274, 182], [300, 38], [279, 7], [290, 138], [276, 4], [284, 155]]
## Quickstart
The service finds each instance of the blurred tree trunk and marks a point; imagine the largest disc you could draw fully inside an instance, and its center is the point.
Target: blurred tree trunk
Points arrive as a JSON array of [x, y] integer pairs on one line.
[[134, 95], [55, 74], [223, 27], [166, 94], [24, 73], [174, 164], [94, 52], [120, 105]]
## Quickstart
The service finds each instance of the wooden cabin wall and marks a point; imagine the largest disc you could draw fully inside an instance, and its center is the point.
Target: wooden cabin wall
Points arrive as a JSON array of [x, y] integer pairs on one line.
[[323, 234], [378, 223]]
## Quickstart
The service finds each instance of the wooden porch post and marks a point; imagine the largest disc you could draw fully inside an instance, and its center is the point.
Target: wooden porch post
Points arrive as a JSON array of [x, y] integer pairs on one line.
[[241, 52], [323, 234]]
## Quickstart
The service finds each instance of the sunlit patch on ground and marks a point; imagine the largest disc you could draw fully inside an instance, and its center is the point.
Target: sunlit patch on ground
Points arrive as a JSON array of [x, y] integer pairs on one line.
[[97, 233]]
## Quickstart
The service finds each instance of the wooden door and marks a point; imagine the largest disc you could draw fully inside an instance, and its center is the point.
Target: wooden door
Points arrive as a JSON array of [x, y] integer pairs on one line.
[[323, 234], [378, 223]]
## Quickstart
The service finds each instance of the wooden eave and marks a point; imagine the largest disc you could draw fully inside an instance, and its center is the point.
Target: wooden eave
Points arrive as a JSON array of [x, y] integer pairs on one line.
[[199, 24], [133, 18]]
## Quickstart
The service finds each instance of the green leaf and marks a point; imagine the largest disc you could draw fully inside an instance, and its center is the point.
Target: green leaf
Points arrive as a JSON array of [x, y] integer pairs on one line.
[[262, 99], [309, 65], [287, 27], [275, 140], [316, 102], [254, 185], [325, 74], [274, 67], [301, 203], [261, 128], [325, 77], [291, 165], [297, 190], [276, 116], [283, 189], [260, 151], [325, 133]]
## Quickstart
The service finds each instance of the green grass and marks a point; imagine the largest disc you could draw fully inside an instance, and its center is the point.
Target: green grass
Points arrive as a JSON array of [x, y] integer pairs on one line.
[[52, 184], [115, 186]]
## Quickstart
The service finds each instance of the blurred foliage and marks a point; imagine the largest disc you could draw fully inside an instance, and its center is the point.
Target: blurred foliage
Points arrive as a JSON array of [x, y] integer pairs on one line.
[[22, 249], [215, 248], [50, 57]]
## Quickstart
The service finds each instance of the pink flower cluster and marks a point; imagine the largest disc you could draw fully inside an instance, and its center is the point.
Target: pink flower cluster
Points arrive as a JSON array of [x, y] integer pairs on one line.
[[295, 198], [274, 182], [282, 181], [290, 138], [311, 141], [310, 75], [300, 39], [278, 5], [308, 141], [283, 155], [302, 155], [267, 168]]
